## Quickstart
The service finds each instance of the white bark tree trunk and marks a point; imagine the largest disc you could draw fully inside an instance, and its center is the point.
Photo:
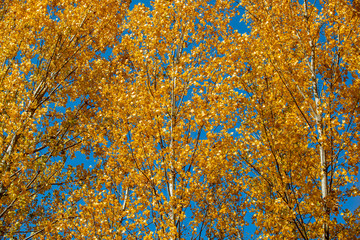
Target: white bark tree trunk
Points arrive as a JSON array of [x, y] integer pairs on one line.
[[319, 128]]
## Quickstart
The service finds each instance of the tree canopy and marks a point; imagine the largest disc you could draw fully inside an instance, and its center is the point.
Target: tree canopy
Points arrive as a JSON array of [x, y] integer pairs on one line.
[[196, 129]]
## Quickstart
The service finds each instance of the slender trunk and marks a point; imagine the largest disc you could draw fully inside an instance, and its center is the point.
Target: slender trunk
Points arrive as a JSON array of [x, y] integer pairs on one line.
[[319, 128], [172, 175], [172, 157]]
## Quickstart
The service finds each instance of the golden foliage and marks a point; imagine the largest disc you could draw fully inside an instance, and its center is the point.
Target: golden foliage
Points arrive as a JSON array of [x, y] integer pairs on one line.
[[192, 124], [46, 47]]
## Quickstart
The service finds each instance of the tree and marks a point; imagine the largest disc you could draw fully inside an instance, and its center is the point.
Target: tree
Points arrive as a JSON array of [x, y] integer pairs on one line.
[[300, 70], [46, 50], [167, 112]]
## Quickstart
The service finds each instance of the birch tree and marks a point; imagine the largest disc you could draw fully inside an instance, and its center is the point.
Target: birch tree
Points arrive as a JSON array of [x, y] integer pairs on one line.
[[46, 47], [301, 128], [168, 110]]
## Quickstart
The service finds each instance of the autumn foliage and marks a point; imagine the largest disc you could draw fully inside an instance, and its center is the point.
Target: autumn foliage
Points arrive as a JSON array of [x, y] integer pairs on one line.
[[197, 130]]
